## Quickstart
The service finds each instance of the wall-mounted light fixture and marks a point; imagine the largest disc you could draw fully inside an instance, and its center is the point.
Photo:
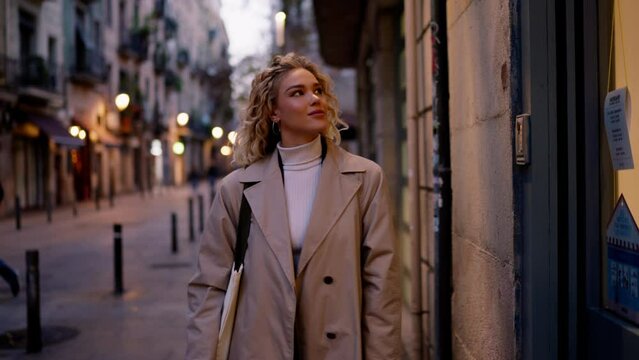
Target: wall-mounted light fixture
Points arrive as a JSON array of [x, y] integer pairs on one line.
[[217, 132], [280, 24], [74, 130], [182, 119], [122, 101], [156, 147], [225, 150], [178, 148], [232, 136]]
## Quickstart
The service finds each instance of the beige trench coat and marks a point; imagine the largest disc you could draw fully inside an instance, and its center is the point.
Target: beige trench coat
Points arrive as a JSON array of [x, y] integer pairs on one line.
[[345, 297]]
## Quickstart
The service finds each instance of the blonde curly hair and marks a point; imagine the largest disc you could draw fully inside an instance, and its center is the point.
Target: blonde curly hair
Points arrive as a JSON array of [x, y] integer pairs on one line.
[[255, 137]]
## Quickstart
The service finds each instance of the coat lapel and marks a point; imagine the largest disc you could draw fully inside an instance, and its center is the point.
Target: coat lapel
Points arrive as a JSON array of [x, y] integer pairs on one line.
[[334, 191], [268, 203]]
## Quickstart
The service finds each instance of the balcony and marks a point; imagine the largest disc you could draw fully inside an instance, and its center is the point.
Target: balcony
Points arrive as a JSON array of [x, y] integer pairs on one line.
[[40, 80], [89, 68], [134, 44], [182, 58], [172, 81], [8, 72], [159, 8], [160, 59]]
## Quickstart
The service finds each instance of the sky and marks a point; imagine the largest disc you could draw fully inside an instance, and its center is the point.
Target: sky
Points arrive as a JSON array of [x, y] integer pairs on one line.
[[249, 27]]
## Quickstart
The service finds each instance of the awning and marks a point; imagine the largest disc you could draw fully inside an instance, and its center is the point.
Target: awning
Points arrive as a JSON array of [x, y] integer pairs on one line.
[[54, 129], [104, 136]]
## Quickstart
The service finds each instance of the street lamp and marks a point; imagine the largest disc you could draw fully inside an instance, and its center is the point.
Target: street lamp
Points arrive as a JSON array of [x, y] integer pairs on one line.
[[232, 136], [82, 134], [217, 132], [122, 101], [178, 148], [74, 130], [225, 150], [182, 119], [280, 21], [156, 147]]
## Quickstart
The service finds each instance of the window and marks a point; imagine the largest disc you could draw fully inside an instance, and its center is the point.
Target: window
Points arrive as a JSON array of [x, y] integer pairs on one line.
[[27, 25], [108, 12], [122, 20], [52, 51], [620, 242], [96, 34]]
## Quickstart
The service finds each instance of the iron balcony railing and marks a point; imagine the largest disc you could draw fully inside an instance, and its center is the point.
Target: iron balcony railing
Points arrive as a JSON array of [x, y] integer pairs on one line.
[[9, 72], [90, 66], [36, 72], [134, 44]]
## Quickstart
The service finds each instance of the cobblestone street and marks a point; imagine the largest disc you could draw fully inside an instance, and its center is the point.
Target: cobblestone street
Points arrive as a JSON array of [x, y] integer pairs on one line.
[[76, 276]]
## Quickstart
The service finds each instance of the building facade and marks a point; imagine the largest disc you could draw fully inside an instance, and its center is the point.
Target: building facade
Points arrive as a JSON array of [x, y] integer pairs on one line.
[[62, 65], [301, 36], [540, 257]]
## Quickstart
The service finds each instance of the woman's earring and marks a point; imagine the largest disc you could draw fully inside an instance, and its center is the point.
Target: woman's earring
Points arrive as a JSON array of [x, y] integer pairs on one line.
[[276, 128]]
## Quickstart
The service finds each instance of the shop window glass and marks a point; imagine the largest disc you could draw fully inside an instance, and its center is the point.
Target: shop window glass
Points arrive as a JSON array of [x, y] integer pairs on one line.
[[620, 238]]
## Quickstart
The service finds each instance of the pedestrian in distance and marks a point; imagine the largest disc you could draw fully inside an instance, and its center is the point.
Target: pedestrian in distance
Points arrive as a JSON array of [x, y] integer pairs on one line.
[[11, 277], [6, 272], [321, 272]]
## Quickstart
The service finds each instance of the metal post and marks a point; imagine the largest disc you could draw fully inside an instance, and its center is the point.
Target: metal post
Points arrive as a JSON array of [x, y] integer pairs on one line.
[[111, 201], [74, 205], [117, 258], [97, 199], [34, 328], [49, 206], [174, 243], [18, 214], [191, 227], [200, 204]]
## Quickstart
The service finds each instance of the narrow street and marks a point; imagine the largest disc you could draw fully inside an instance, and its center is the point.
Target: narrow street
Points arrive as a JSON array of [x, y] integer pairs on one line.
[[77, 277]]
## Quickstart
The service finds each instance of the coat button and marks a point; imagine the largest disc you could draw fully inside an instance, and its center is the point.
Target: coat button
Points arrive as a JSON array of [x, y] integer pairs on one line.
[[331, 335], [328, 280]]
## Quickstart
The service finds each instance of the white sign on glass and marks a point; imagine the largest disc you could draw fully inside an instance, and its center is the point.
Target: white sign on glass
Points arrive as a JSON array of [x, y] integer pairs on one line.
[[617, 121]]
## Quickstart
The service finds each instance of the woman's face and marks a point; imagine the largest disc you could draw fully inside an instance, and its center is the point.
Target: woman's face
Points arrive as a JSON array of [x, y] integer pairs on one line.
[[300, 108]]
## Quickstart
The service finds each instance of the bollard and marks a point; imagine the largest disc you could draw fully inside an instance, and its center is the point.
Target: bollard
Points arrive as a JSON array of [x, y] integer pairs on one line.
[[111, 201], [200, 204], [97, 199], [117, 258], [174, 243], [18, 214], [34, 328], [49, 206], [74, 205], [191, 230]]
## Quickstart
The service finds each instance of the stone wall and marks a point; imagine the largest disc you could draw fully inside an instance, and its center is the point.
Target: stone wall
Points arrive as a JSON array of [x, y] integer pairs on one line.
[[483, 303]]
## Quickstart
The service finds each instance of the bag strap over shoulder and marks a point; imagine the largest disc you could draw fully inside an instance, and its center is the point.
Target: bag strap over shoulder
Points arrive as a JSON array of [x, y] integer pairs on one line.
[[243, 229]]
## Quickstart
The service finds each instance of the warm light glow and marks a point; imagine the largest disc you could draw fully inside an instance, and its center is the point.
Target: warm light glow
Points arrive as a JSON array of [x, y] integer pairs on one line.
[[122, 101], [156, 147], [93, 136], [280, 20], [225, 150], [183, 119], [280, 16], [232, 136], [82, 134], [178, 148], [74, 130], [217, 132]]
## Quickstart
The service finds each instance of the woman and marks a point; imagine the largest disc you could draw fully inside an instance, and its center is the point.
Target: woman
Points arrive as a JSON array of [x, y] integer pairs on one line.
[[321, 273]]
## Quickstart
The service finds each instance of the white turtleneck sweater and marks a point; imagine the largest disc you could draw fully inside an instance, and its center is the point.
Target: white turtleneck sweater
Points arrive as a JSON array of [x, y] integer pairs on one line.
[[302, 165]]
